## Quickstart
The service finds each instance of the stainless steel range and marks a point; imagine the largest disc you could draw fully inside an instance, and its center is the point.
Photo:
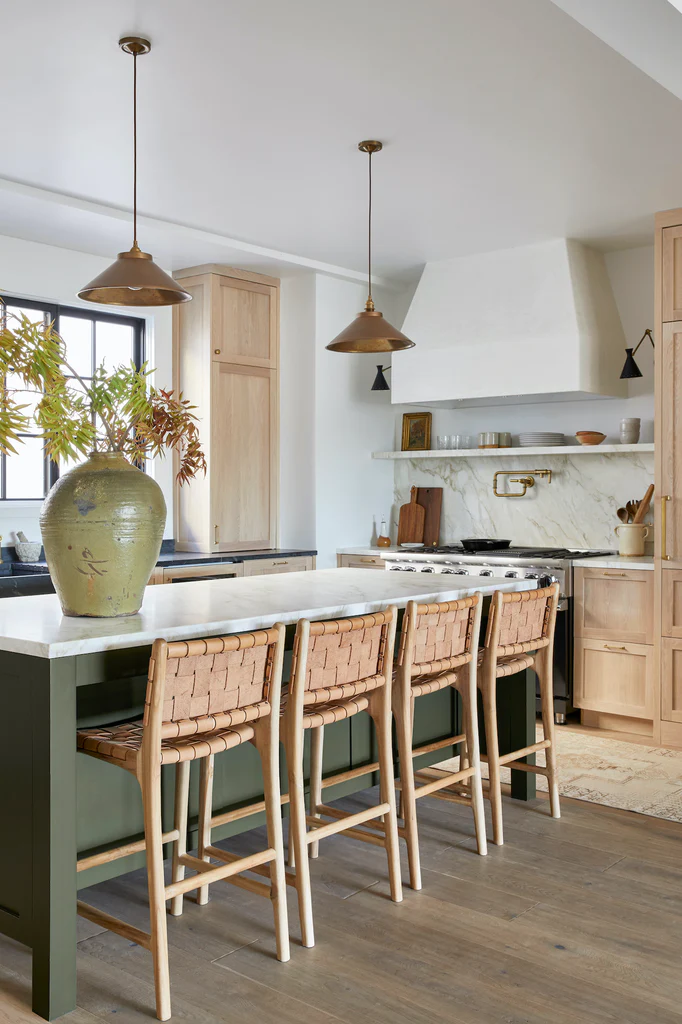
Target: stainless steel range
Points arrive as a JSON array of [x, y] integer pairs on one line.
[[546, 565]]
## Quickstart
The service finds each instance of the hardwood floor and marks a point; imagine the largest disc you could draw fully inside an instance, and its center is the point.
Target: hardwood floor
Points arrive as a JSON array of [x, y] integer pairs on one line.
[[577, 920]]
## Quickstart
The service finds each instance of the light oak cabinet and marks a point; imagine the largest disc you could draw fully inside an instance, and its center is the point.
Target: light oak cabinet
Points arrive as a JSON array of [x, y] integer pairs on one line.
[[360, 562], [669, 461], [671, 680], [271, 566], [614, 653], [671, 273], [614, 678], [613, 604], [226, 357]]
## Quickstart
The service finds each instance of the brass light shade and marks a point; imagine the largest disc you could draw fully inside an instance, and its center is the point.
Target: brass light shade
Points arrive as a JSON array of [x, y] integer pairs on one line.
[[134, 279], [370, 332]]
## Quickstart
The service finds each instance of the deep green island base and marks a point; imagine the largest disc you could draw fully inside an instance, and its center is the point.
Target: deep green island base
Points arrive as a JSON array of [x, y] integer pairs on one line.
[[56, 805]]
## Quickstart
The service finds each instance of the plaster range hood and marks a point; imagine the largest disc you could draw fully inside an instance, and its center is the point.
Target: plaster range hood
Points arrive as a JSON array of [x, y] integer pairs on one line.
[[533, 324]]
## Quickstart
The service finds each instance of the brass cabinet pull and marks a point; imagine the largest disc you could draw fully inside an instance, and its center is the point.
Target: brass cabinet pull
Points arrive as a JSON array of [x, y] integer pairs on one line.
[[615, 574], [216, 351], [610, 647], [216, 534], [280, 563], [371, 560], [665, 498]]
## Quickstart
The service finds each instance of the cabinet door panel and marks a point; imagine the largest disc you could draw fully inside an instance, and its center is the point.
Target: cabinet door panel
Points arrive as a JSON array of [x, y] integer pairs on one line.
[[243, 456], [272, 566], [671, 602], [671, 680], [670, 441], [361, 562], [614, 678], [672, 274], [245, 322], [614, 604]]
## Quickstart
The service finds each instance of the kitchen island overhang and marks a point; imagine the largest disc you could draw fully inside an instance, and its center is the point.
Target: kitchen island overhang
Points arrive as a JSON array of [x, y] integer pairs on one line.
[[57, 671]]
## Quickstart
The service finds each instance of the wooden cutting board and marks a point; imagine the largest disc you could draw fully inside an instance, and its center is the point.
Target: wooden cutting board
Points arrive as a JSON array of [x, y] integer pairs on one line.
[[411, 521], [432, 500]]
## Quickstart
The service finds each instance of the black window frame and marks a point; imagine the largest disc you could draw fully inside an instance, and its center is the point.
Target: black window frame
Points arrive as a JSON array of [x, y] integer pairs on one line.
[[54, 311]]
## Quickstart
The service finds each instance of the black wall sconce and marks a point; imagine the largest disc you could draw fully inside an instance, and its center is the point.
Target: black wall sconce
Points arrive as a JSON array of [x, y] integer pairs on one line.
[[631, 369], [380, 382]]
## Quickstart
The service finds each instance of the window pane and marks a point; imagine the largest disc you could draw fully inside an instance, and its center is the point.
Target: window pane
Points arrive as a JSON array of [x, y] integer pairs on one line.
[[113, 344], [25, 470], [77, 335], [29, 399], [36, 316]]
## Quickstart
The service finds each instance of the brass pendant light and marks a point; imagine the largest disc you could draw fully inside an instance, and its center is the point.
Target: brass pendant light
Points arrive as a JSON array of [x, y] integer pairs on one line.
[[134, 279], [369, 332]]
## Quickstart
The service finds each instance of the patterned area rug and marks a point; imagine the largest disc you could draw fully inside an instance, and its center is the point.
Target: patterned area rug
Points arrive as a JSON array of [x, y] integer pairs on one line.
[[631, 776]]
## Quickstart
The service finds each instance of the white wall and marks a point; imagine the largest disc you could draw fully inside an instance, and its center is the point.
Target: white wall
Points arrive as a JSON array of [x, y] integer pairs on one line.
[[31, 270], [297, 411]]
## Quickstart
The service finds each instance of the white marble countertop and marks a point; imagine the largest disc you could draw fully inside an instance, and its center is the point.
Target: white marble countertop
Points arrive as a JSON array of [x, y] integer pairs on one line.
[[617, 562], [393, 550], [36, 626]]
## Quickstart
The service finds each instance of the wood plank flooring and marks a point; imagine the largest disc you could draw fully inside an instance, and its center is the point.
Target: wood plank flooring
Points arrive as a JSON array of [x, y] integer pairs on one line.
[[572, 921]]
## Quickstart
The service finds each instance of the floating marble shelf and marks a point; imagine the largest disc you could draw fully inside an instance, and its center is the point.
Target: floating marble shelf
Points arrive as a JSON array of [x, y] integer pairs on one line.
[[514, 453]]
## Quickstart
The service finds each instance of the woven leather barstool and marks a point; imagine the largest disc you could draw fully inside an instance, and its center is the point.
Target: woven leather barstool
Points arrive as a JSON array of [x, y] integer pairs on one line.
[[520, 635], [339, 668], [203, 697], [438, 648]]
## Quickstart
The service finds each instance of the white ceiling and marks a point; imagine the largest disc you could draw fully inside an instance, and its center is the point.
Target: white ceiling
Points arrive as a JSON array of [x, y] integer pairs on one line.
[[504, 123]]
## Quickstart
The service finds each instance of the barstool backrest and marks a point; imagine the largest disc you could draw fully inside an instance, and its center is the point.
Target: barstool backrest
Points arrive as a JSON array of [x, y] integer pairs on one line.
[[521, 622], [341, 658], [198, 686], [439, 637]]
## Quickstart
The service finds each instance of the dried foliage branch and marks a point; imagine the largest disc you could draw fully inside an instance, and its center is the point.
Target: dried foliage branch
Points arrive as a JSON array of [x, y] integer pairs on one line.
[[116, 411]]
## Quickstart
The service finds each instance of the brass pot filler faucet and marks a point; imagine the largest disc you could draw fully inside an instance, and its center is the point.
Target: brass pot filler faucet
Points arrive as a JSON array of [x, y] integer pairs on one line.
[[526, 481]]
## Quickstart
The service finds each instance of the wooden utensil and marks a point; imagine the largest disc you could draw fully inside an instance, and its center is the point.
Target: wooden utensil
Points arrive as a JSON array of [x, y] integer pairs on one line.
[[644, 504], [411, 521], [632, 510], [623, 515], [431, 498]]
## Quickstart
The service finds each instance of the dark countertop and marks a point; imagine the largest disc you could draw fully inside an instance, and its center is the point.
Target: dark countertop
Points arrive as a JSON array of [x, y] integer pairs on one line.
[[18, 579]]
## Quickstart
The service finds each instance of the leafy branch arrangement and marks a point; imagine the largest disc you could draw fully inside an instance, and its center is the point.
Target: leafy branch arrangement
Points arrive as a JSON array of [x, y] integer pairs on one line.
[[114, 412]]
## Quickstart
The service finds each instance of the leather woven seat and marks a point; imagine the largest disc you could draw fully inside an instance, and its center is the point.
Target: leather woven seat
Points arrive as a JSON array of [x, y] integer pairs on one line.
[[121, 744]]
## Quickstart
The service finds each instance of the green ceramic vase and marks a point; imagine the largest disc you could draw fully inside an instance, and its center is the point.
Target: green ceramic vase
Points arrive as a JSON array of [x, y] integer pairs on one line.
[[102, 525]]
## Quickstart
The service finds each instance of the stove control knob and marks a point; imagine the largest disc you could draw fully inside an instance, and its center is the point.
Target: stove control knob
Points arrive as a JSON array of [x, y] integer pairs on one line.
[[451, 571], [531, 576], [486, 572], [512, 575], [428, 568], [461, 572]]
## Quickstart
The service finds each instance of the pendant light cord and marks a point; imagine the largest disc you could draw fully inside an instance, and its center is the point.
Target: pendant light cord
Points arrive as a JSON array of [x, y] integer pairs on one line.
[[370, 303], [135, 245]]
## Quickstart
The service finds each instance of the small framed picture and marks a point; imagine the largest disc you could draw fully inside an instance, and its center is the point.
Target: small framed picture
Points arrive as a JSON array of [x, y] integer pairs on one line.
[[416, 431]]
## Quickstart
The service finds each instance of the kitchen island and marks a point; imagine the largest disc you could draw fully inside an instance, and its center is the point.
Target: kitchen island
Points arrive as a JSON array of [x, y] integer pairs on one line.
[[57, 671]]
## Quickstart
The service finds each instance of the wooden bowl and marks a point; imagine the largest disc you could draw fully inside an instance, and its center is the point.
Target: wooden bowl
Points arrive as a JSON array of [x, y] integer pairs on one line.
[[590, 436]]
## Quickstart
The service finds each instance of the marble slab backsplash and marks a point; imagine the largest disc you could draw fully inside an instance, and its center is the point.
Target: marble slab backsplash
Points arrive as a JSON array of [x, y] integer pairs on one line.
[[577, 509]]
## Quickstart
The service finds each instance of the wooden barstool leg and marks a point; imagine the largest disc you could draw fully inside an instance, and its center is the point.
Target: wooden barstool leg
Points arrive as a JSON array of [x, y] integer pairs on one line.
[[205, 814], [153, 831], [180, 823], [269, 755], [316, 746], [403, 721], [543, 667], [489, 687], [472, 751], [380, 710], [297, 831]]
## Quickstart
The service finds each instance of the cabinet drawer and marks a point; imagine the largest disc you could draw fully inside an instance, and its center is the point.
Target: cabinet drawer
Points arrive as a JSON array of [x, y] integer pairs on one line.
[[360, 562], [615, 678], [615, 604], [269, 566]]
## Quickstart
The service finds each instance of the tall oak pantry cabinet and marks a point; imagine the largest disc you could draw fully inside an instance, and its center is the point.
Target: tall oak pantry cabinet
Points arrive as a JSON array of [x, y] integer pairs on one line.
[[668, 504], [226, 349]]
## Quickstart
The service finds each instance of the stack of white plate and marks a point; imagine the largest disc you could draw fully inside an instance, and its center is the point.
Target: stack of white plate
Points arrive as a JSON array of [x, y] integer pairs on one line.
[[540, 439]]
